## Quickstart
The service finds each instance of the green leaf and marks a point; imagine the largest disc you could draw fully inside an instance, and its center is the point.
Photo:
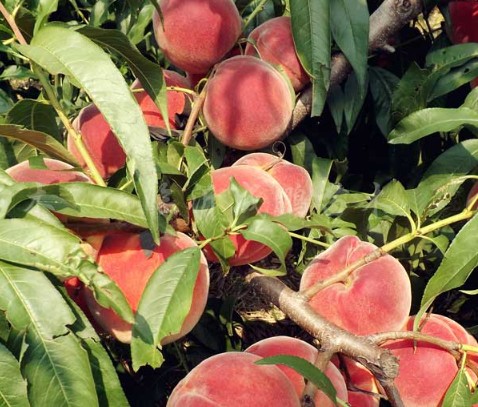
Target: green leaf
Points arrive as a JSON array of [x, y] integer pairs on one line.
[[455, 78], [452, 56], [35, 115], [392, 199], [428, 121], [471, 100], [350, 26], [149, 74], [93, 201], [272, 235], [458, 394], [53, 355], [444, 176], [44, 9], [47, 248], [61, 50], [311, 31], [305, 369], [459, 261], [321, 168], [108, 386], [382, 85], [39, 140], [245, 205], [164, 305], [302, 150], [13, 388]]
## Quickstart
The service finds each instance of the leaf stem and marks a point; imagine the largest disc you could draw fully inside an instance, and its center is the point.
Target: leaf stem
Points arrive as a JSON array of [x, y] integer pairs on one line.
[[309, 239], [255, 12]]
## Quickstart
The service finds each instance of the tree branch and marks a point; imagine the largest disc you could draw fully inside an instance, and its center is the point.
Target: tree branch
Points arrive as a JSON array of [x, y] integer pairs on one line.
[[385, 22]]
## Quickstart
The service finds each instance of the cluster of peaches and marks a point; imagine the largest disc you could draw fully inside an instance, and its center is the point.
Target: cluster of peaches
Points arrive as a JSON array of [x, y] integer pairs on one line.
[[248, 105]]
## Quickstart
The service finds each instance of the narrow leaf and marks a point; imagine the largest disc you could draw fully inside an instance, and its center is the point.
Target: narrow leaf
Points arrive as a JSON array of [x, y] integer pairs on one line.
[[245, 205], [39, 140], [428, 121], [61, 50], [392, 199], [458, 394], [148, 73], [350, 26], [459, 261], [13, 388], [382, 85], [307, 370], [311, 31], [161, 312], [45, 247], [272, 235]]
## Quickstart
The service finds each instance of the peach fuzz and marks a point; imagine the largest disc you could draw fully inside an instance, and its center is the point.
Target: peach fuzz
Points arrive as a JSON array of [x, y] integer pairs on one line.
[[425, 370], [130, 266], [272, 41], [56, 171], [233, 379], [195, 34], [285, 345], [294, 179], [375, 297], [248, 103], [99, 139], [262, 185]]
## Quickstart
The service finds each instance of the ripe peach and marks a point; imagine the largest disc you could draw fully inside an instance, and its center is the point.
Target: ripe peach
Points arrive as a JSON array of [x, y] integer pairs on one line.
[[472, 194], [426, 371], [464, 19], [99, 139], [375, 297], [233, 379], [56, 171], [272, 41], [248, 103], [123, 257], [285, 345], [293, 178], [195, 34], [177, 101], [262, 185]]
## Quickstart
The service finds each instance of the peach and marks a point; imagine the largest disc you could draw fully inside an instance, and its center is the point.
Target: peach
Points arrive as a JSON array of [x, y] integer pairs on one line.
[[472, 194], [375, 297], [285, 345], [248, 103], [272, 41], [361, 381], [55, 171], [125, 260], [262, 185], [464, 21], [233, 379], [426, 371], [294, 179], [100, 141], [195, 34]]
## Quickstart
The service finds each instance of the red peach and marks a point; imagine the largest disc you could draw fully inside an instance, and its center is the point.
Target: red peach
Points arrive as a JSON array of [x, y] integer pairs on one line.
[[375, 297], [274, 43], [262, 185], [293, 178], [55, 171], [127, 263], [100, 141], [464, 21], [472, 194], [233, 379], [195, 34], [248, 103], [426, 371], [285, 345]]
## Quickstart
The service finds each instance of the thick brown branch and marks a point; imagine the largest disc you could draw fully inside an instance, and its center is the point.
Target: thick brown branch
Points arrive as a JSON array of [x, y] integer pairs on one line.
[[332, 339], [385, 22]]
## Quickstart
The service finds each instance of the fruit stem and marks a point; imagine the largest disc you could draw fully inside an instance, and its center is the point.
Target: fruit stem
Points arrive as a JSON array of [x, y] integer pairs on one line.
[[197, 106], [54, 101], [381, 251], [255, 12], [79, 144], [309, 239]]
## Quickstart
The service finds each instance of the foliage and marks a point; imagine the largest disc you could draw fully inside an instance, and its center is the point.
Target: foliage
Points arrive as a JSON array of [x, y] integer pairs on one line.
[[392, 153]]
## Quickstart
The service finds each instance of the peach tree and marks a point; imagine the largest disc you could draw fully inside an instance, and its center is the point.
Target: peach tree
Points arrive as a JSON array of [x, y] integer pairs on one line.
[[193, 189]]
